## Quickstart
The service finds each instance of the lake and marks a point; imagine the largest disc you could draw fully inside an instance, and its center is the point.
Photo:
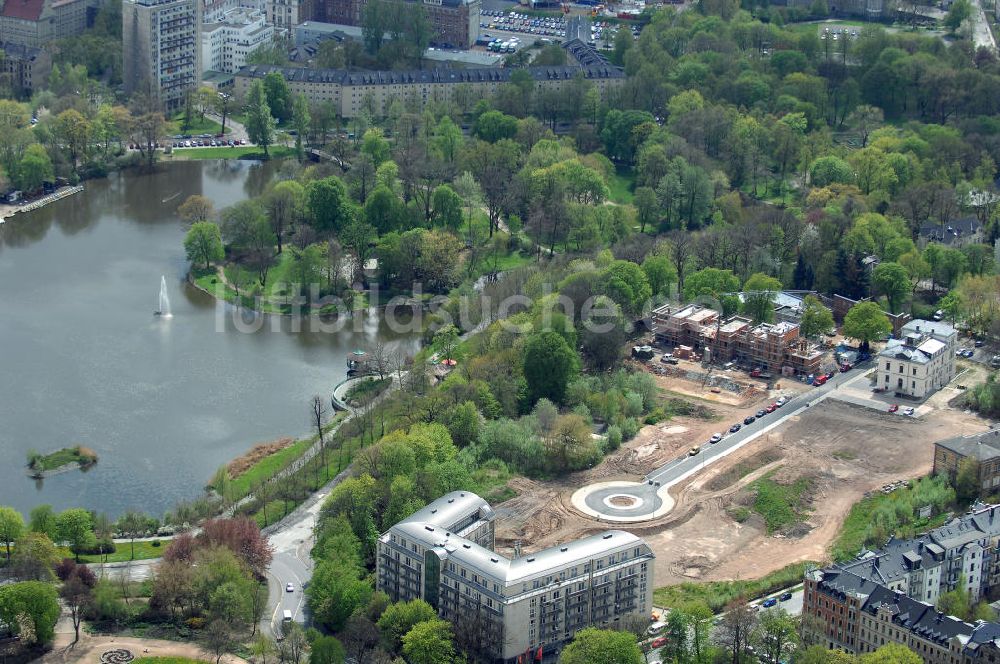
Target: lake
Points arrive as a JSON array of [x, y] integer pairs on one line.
[[163, 402]]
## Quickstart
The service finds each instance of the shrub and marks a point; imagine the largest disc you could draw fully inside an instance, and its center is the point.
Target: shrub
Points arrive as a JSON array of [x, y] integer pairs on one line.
[[614, 438]]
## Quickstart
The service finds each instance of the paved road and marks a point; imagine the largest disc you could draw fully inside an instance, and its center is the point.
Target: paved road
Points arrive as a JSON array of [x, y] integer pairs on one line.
[[982, 36]]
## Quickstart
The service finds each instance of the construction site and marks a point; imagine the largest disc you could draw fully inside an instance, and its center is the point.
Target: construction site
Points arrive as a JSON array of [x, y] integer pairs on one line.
[[827, 457]]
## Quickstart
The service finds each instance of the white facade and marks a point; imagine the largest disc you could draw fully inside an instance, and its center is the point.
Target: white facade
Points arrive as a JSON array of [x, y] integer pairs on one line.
[[232, 36], [920, 363]]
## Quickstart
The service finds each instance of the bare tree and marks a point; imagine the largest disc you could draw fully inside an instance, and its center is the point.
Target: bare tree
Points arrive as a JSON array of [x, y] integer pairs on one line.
[[381, 359], [218, 638], [319, 412], [737, 629], [360, 637], [681, 247]]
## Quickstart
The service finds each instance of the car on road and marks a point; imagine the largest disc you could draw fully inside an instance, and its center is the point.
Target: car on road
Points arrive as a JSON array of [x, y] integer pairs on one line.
[[769, 602], [659, 642], [830, 375], [781, 402], [819, 380], [290, 588], [770, 409], [716, 437], [694, 451], [893, 408], [845, 367], [968, 353], [750, 419], [959, 352], [979, 343], [761, 413], [736, 427], [785, 597], [908, 411]]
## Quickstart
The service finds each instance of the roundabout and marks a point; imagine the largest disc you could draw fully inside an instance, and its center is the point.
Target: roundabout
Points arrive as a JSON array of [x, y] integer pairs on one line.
[[623, 502]]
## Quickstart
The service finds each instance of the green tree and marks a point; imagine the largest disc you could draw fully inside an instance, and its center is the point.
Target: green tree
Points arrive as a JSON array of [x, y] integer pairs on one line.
[[778, 634], [399, 618], [35, 556], [549, 363], [76, 528], [660, 272], [34, 168], [11, 527], [384, 210], [301, 120], [967, 481], [30, 609], [447, 208], [607, 646], [278, 95], [493, 126], [203, 243], [646, 206], [132, 524], [626, 283], [429, 642], [42, 519], [830, 170], [960, 10], [893, 281], [463, 423], [891, 653], [759, 292], [714, 284], [816, 318], [328, 204], [327, 650], [375, 146], [285, 203], [260, 123], [866, 322]]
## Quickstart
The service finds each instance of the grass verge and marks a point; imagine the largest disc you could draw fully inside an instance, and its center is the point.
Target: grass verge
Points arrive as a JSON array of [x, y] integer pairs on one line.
[[144, 550], [242, 152], [717, 594]]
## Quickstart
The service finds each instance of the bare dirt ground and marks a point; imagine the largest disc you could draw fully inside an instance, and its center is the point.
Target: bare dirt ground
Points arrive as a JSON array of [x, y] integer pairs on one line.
[[90, 648], [845, 450]]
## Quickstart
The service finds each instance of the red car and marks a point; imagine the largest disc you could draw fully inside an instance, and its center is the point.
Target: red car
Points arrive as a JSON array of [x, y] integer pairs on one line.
[[829, 375], [845, 367], [659, 642], [819, 380], [893, 408], [773, 407]]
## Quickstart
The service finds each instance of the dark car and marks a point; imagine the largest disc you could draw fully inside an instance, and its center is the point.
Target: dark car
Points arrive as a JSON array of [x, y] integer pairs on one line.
[[736, 427], [750, 419], [785, 597], [769, 602], [761, 413]]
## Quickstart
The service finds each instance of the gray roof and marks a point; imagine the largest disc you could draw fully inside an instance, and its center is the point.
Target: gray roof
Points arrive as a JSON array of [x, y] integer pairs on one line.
[[895, 349], [939, 329], [431, 526], [949, 233], [981, 446]]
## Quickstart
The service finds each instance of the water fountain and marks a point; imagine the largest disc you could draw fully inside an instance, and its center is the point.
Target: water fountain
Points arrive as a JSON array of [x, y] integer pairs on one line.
[[164, 310]]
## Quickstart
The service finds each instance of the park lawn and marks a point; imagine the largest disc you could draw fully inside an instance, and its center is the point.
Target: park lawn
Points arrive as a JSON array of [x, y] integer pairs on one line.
[[198, 125], [144, 550], [274, 463], [243, 151], [718, 594], [621, 185]]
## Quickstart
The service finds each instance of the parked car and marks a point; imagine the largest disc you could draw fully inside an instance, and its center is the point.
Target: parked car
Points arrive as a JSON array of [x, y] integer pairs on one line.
[[659, 642], [785, 597], [819, 380], [769, 602], [668, 359], [968, 353], [736, 427], [694, 451], [893, 408], [829, 375], [908, 411], [979, 343], [845, 367], [750, 419], [761, 413], [781, 402], [716, 437]]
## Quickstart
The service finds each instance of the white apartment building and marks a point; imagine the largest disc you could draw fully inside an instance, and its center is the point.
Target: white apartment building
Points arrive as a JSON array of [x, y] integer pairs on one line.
[[161, 49], [228, 37], [511, 608], [921, 362]]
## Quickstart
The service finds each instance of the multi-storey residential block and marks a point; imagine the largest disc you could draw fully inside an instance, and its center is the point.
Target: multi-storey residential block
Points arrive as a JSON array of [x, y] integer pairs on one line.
[[161, 44], [284, 15], [921, 362], [35, 23], [228, 38], [982, 447], [770, 346], [352, 92], [454, 22], [506, 607], [27, 68]]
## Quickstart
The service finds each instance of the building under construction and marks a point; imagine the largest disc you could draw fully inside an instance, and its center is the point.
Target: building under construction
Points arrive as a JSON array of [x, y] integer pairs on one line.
[[768, 346]]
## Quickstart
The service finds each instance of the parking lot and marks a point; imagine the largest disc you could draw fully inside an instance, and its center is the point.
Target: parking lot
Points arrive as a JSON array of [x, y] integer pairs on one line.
[[509, 22]]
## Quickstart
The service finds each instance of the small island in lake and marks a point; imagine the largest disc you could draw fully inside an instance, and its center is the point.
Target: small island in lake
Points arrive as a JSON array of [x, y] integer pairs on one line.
[[41, 465]]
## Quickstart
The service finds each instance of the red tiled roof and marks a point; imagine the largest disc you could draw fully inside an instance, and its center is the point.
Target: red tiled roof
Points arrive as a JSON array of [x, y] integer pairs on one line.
[[28, 10]]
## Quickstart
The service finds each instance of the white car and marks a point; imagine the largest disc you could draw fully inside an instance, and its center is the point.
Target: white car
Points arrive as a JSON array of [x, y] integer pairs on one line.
[[290, 588], [716, 437], [908, 411], [781, 402]]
